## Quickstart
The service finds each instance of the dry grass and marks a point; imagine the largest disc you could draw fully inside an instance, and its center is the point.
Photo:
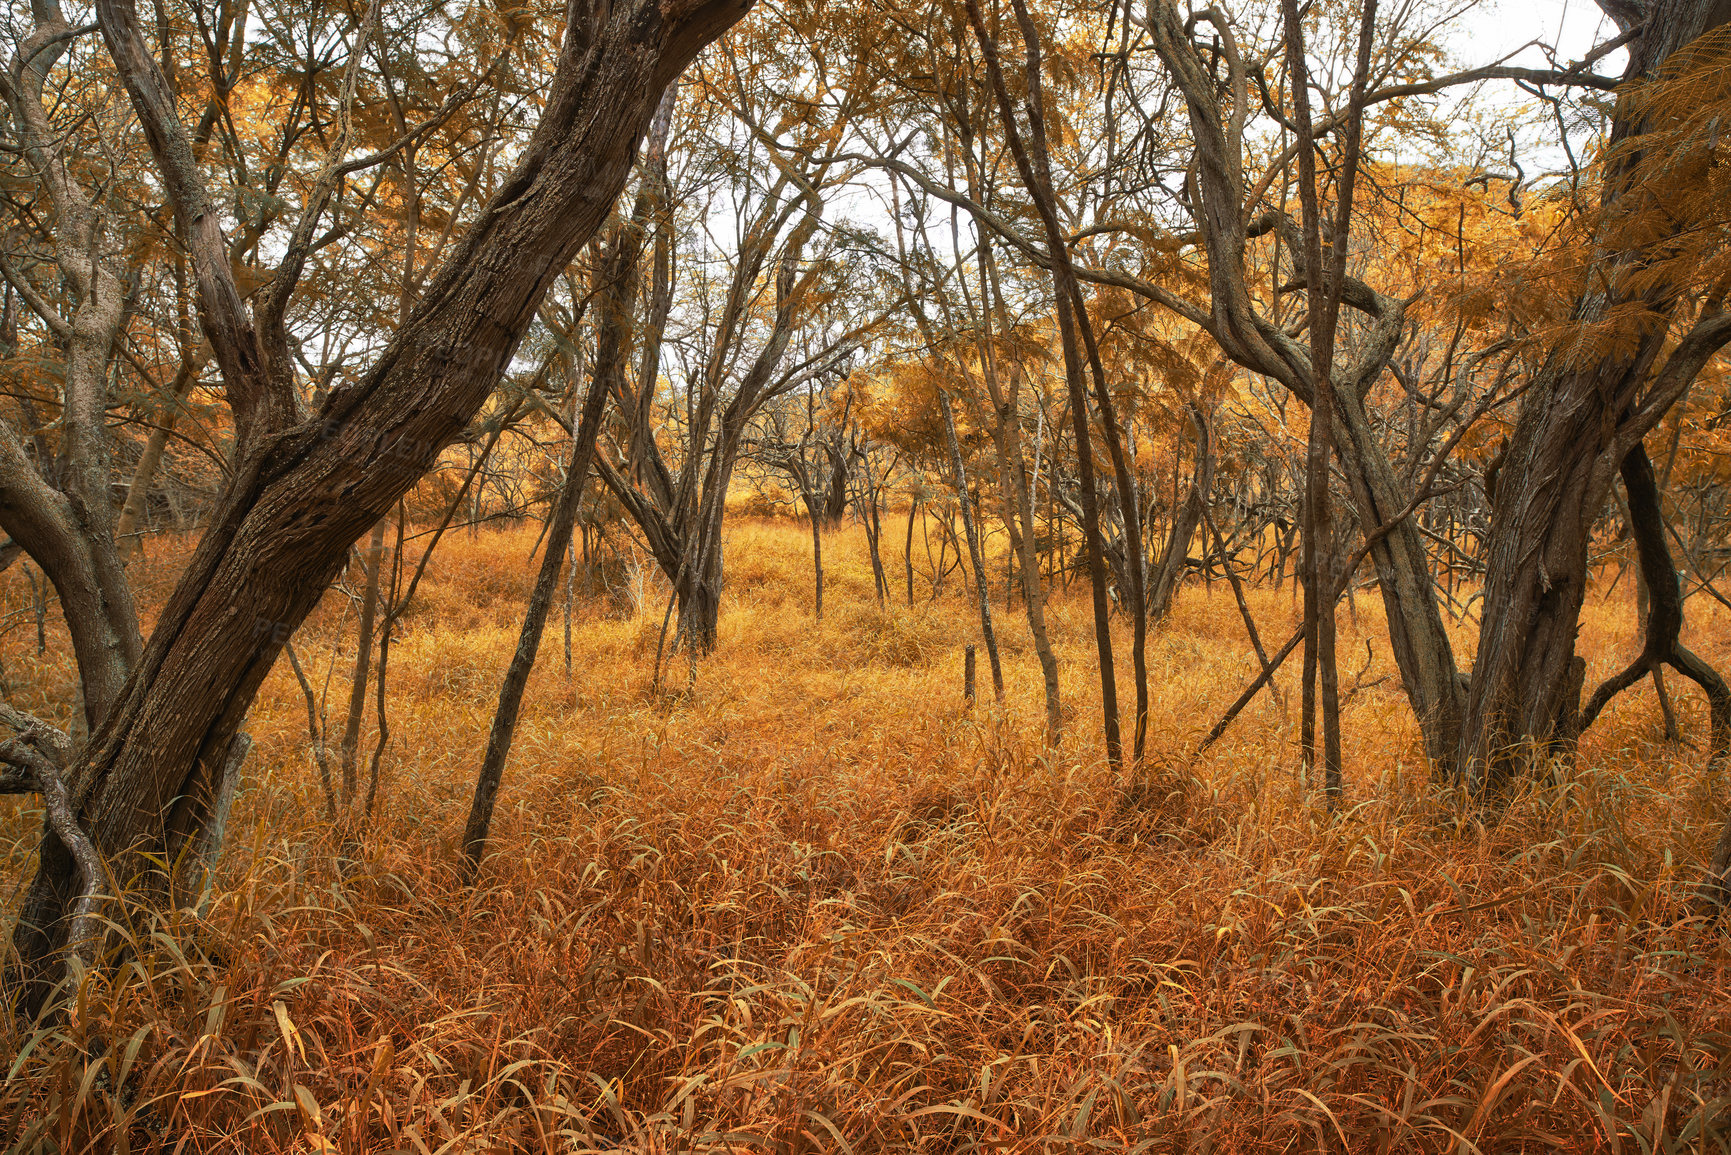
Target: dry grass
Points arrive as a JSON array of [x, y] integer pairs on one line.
[[818, 906]]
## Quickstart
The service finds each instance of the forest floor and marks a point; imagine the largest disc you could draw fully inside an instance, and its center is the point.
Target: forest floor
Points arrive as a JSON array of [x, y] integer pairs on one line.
[[812, 902]]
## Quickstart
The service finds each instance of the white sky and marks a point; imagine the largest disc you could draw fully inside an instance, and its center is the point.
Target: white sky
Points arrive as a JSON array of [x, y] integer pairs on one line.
[[1574, 26]]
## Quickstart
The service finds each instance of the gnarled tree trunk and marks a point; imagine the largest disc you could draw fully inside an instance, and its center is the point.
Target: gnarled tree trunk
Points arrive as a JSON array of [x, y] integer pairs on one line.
[[1580, 418]]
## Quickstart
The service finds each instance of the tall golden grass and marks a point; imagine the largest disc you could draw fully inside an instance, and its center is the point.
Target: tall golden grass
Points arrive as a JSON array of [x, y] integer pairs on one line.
[[813, 903]]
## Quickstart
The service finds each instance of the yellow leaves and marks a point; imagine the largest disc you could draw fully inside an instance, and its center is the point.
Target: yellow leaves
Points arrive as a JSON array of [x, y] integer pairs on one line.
[[291, 1036], [307, 1107]]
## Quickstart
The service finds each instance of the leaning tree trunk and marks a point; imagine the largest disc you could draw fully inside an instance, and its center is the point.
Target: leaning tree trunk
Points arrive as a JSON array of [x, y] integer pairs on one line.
[[560, 523], [1418, 639], [302, 495]]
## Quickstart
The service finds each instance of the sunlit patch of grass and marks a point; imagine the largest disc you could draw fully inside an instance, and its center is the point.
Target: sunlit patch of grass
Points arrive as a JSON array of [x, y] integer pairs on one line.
[[817, 904]]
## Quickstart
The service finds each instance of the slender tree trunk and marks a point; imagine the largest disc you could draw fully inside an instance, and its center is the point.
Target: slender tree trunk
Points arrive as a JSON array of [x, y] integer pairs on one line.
[[1018, 504], [371, 563], [1034, 165], [1420, 644], [874, 535], [1185, 522], [1075, 367], [1325, 287], [982, 587], [1664, 624], [1016, 492], [559, 526], [816, 514], [315, 732], [908, 549]]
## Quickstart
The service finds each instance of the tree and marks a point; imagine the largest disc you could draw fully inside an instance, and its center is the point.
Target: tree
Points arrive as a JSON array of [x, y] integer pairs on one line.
[[57, 506], [1646, 315], [779, 321], [306, 487]]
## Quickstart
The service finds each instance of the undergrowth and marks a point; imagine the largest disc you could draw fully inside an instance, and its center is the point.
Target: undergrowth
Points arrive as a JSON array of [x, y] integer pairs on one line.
[[811, 902]]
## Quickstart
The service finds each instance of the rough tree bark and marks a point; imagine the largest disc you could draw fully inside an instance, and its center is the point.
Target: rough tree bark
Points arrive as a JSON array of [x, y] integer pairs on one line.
[[1580, 418]]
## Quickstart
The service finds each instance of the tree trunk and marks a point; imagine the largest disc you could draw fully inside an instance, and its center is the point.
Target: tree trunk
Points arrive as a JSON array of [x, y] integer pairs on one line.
[[981, 585], [65, 521], [1421, 646], [1185, 521], [817, 515], [301, 496], [1015, 489], [1418, 640], [908, 549], [874, 536], [371, 563], [1664, 625], [1578, 421], [1032, 166], [835, 494], [699, 606], [559, 528], [1019, 521]]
